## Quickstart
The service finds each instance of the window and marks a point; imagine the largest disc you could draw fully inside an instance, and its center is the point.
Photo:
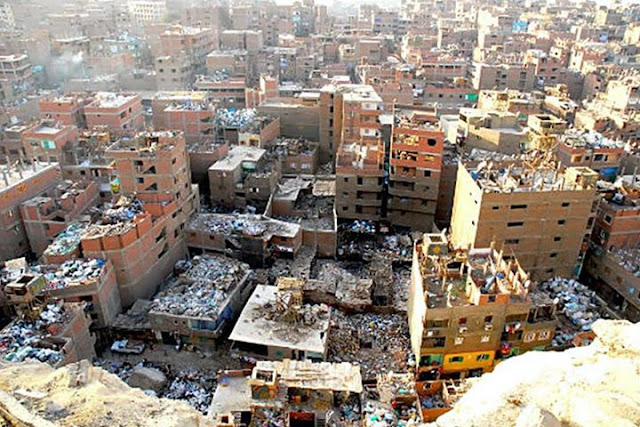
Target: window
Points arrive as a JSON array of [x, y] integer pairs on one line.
[[462, 321], [553, 255], [512, 241], [456, 359], [544, 335], [608, 219], [561, 221], [488, 319], [518, 206], [482, 357], [557, 239], [431, 142], [565, 204], [495, 208], [529, 336], [515, 224]]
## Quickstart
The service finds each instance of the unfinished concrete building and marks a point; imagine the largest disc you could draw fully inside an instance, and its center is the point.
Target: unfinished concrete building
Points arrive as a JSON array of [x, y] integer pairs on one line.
[[201, 302], [469, 309], [85, 280], [310, 203], [415, 163], [121, 113], [360, 181], [19, 184], [48, 214], [542, 216], [143, 237], [544, 130]]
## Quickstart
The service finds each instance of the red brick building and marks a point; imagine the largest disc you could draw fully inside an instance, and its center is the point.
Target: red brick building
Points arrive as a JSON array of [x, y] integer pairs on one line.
[[121, 113]]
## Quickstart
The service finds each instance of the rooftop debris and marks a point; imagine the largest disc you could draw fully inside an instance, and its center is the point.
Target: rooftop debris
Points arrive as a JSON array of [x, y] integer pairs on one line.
[[378, 342], [629, 259], [203, 288], [576, 302], [114, 218], [67, 241], [74, 272], [233, 118]]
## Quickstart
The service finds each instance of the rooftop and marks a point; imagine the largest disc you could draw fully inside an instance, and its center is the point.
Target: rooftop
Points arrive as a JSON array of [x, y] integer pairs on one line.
[[242, 225], [181, 95], [204, 289], [111, 99], [589, 140], [237, 156], [147, 143], [523, 177], [16, 174], [304, 374], [71, 273], [258, 324]]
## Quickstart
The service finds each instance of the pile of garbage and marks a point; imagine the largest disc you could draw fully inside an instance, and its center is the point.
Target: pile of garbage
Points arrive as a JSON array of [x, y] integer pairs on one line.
[[24, 340], [576, 302], [74, 272], [360, 226], [123, 211], [193, 387], [67, 241], [434, 401], [378, 342], [232, 118], [268, 417], [203, 288]]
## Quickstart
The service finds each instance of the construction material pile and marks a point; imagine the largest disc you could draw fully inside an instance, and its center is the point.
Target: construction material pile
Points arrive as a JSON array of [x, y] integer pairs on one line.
[[378, 342], [74, 272], [576, 302], [202, 290]]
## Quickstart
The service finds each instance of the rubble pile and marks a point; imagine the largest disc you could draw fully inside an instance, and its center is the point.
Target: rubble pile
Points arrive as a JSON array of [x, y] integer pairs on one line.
[[67, 241], [24, 340], [201, 291], [378, 342], [576, 302], [74, 272], [401, 284]]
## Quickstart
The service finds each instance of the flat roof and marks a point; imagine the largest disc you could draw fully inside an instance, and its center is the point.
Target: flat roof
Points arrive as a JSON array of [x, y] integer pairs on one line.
[[305, 374], [253, 327], [237, 155], [234, 396], [17, 175], [111, 99]]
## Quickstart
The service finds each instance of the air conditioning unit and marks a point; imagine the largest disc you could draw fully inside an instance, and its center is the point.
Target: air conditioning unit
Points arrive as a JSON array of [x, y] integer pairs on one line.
[[488, 327]]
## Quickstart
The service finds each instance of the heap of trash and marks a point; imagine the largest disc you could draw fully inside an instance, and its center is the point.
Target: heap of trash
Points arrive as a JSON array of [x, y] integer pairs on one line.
[[74, 272], [232, 118], [24, 340], [576, 302], [202, 290], [67, 241], [378, 342], [194, 388]]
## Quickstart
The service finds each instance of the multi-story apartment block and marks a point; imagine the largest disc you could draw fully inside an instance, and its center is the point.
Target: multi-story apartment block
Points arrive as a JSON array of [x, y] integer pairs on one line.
[[49, 141], [348, 113], [469, 309], [20, 183], [617, 223], [542, 216], [415, 163], [590, 149], [67, 110], [490, 130], [143, 237], [120, 113], [147, 11], [504, 76]]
